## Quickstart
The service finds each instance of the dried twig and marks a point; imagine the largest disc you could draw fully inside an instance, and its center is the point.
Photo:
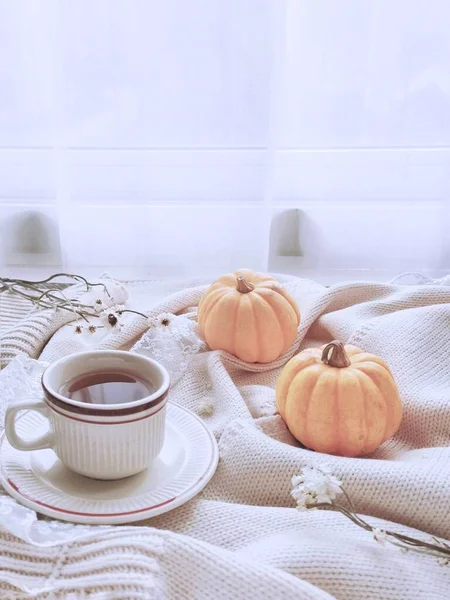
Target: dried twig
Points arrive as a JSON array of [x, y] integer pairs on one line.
[[316, 489], [49, 294]]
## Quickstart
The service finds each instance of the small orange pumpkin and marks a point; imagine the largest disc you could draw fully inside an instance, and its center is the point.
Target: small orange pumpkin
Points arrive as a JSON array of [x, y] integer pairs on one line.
[[249, 315], [339, 400]]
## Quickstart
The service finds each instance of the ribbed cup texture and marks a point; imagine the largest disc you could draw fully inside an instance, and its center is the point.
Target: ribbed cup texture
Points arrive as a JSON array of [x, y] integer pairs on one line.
[[108, 451]]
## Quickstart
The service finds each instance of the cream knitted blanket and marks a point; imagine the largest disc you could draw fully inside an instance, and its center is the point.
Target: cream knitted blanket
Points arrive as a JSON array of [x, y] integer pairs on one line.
[[242, 538]]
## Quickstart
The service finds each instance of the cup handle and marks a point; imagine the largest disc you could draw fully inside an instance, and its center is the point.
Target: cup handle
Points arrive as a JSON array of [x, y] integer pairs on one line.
[[43, 441]]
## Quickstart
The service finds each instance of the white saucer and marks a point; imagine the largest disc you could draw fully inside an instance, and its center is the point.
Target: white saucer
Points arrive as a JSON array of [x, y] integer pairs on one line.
[[40, 481]]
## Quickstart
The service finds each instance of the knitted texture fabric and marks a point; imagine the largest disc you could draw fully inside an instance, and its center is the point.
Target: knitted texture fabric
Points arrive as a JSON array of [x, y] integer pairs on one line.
[[242, 537]]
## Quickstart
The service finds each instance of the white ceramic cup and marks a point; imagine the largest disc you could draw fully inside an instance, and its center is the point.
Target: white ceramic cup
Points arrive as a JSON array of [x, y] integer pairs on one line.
[[103, 441]]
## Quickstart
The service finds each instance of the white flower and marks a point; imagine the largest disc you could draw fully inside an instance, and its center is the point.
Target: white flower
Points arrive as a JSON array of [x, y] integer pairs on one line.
[[297, 480], [163, 320], [313, 487], [304, 499], [98, 305], [111, 318], [443, 561], [380, 536], [206, 409]]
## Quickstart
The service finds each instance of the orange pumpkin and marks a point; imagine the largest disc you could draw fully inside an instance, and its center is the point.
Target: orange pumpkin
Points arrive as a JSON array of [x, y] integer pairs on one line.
[[249, 315], [339, 400]]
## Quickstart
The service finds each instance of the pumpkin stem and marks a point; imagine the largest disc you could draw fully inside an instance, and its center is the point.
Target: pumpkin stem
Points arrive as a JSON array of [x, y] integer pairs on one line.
[[334, 355], [244, 286]]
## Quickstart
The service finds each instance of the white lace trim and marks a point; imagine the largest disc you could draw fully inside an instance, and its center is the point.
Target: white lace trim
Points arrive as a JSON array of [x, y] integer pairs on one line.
[[172, 341], [414, 278]]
